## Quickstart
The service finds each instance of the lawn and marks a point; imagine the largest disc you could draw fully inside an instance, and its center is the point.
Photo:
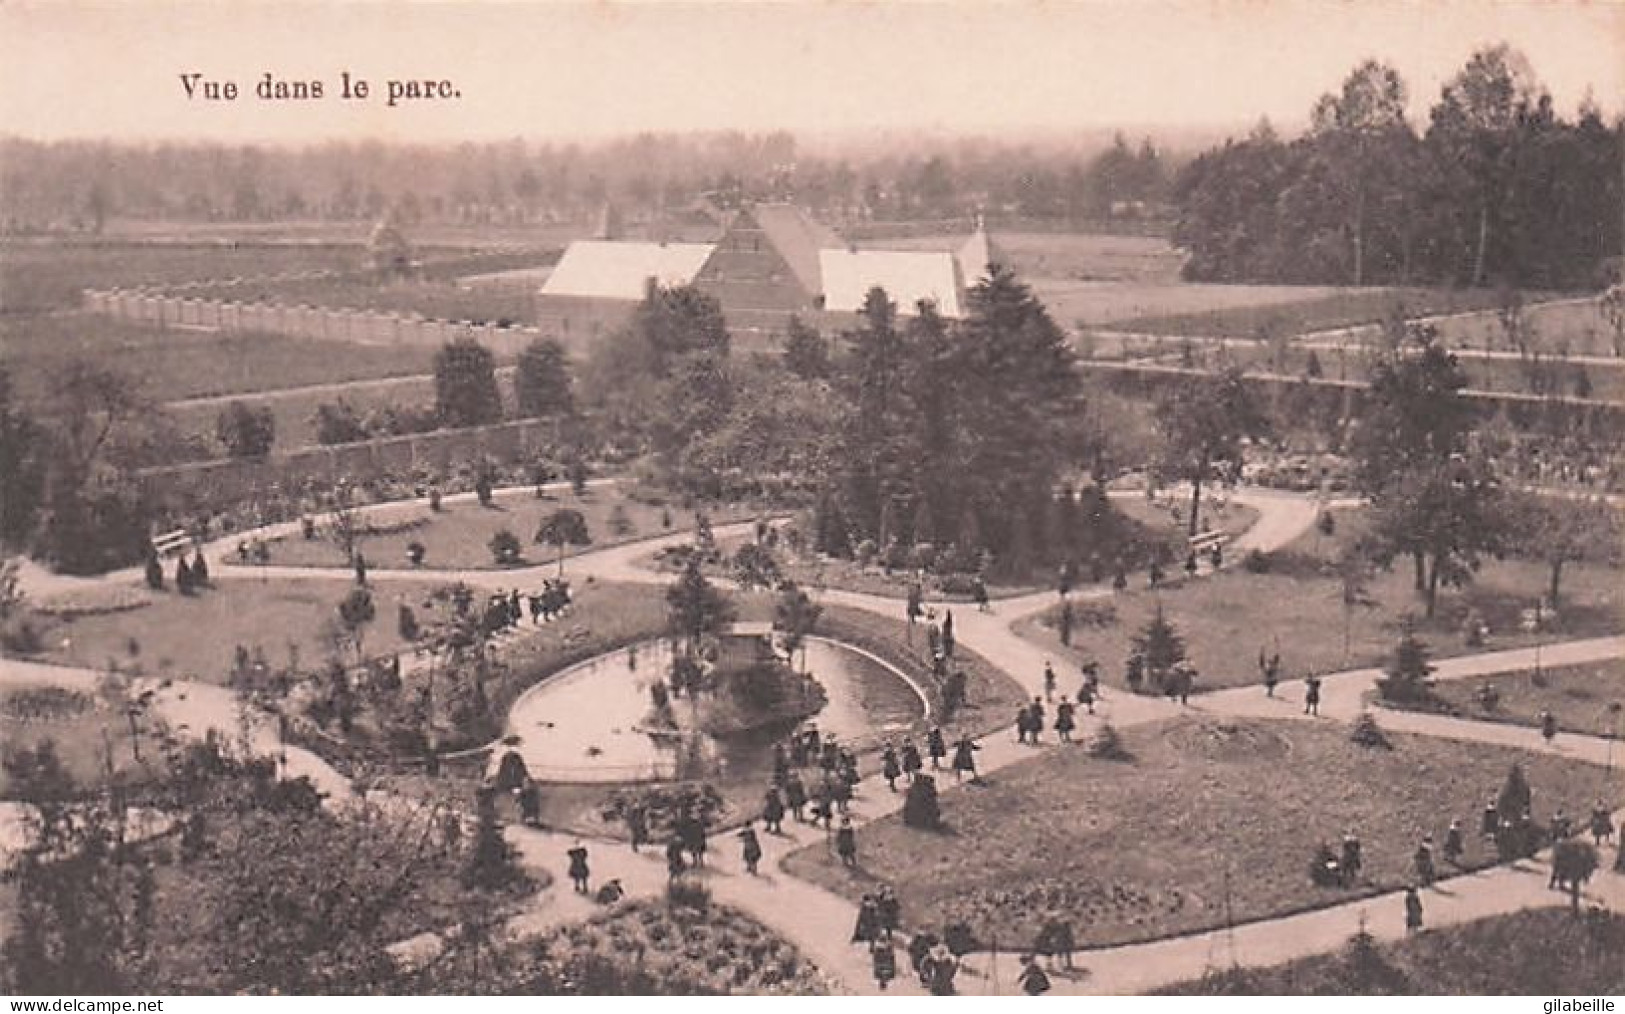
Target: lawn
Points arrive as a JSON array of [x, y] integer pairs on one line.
[[295, 411], [1209, 820], [175, 363], [86, 743], [1296, 609], [197, 637], [458, 538], [1535, 952], [1583, 698], [1317, 310], [1063, 255]]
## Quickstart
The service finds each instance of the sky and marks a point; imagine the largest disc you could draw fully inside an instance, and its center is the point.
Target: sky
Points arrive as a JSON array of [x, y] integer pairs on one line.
[[564, 70]]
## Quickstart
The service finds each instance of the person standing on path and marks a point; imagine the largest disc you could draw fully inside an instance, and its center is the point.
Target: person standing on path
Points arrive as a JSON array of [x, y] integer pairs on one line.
[[1413, 910], [936, 746], [795, 794], [890, 909], [773, 811], [883, 959], [751, 848], [1311, 695], [846, 844], [1548, 727], [912, 762], [1064, 720], [674, 857], [1049, 681], [890, 768], [965, 759], [578, 867]]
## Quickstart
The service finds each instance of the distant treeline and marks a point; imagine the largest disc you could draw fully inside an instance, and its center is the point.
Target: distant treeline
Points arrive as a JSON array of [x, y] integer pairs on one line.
[[79, 186], [1496, 190]]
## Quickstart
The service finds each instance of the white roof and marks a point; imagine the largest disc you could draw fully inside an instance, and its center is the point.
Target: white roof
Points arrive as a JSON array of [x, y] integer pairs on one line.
[[977, 257], [908, 276], [616, 270]]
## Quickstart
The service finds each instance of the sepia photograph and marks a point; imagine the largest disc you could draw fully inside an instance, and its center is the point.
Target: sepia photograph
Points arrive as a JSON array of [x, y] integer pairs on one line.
[[985, 498]]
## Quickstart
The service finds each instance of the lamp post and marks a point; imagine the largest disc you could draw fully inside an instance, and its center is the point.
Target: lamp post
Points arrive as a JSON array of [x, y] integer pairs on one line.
[[1613, 709]]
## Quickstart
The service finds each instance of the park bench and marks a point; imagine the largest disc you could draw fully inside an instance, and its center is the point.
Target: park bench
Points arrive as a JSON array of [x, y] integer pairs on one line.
[[1207, 540], [172, 543]]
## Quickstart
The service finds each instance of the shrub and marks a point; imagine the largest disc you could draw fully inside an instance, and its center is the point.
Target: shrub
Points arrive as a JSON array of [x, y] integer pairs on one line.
[[1107, 744], [338, 423], [921, 808], [1407, 672], [1256, 562], [1368, 733], [505, 548], [688, 892], [246, 432], [620, 523]]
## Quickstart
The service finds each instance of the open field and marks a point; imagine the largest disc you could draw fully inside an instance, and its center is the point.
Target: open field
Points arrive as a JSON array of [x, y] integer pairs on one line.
[[1317, 311], [1297, 609], [42, 275], [1085, 304], [1206, 818], [432, 235], [1063, 255], [1583, 698], [1535, 952], [196, 637], [458, 538], [175, 363]]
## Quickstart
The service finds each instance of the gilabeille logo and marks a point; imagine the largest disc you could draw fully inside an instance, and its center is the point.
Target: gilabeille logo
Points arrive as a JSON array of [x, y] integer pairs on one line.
[[1594, 1004]]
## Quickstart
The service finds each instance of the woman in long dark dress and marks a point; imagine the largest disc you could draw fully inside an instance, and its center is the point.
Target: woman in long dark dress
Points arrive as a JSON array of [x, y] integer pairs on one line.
[[912, 762], [936, 746], [965, 759], [752, 848], [867, 928], [1064, 720], [890, 769]]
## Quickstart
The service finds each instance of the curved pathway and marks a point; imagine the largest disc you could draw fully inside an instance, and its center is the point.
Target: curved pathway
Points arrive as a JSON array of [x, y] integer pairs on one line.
[[819, 921]]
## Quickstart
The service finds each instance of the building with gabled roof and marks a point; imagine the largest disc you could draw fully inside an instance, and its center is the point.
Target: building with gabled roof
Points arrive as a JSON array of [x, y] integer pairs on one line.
[[610, 269], [771, 261], [767, 259], [908, 276]]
